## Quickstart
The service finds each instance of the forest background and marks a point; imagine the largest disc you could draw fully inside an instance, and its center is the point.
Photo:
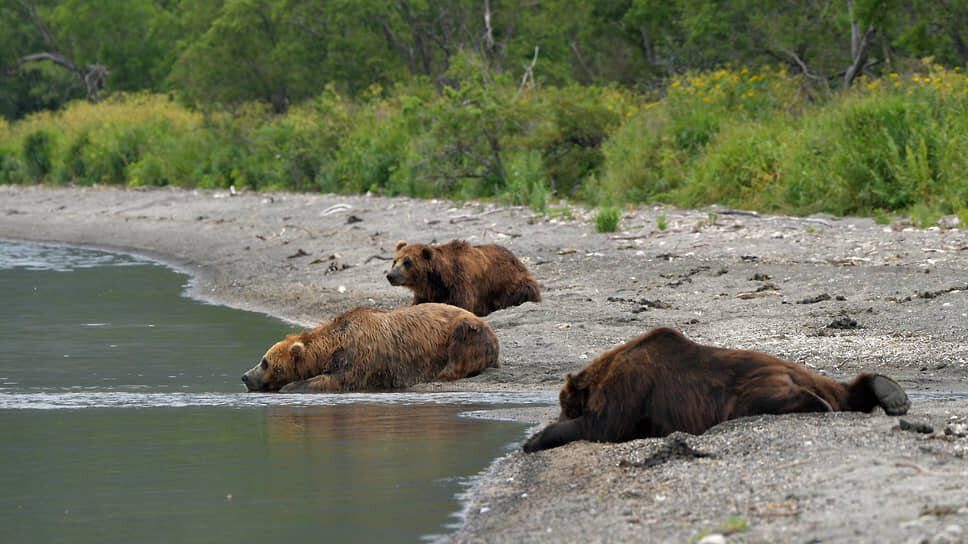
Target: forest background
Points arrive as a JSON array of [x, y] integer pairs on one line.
[[840, 106]]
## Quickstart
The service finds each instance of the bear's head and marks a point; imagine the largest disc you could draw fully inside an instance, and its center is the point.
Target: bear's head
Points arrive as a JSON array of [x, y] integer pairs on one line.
[[410, 264], [279, 366], [573, 397]]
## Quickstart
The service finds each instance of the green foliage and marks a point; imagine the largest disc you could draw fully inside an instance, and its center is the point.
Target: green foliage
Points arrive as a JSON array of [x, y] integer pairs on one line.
[[662, 221], [581, 119], [607, 218], [526, 182], [887, 146], [654, 153], [37, 151], [226, 53]]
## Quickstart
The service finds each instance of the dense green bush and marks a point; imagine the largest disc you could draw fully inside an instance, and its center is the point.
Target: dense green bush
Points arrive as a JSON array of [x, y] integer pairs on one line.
[[732, 137], [892, 145], [37, 153]]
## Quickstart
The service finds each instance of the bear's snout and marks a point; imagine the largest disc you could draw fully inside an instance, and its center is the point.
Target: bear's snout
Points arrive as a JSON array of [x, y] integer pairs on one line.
[[253, 379], [395, 277]]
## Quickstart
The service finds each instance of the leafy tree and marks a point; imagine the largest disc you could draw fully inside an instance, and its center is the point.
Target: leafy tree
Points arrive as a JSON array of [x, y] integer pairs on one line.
[[97, 47]]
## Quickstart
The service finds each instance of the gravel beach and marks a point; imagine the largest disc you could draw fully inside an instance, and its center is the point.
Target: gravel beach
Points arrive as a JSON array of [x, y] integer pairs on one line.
[[838, 295]]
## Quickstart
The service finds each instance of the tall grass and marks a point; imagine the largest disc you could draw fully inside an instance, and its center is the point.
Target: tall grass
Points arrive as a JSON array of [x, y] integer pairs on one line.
[[767, 140], [888, 145]]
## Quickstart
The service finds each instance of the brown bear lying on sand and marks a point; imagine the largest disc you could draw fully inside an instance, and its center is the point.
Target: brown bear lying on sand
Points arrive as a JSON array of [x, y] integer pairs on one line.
[[369, 349], [661, 382], [480, 279]]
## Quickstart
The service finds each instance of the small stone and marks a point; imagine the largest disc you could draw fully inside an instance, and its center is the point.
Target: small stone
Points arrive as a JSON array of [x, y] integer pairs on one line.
[[949, 222]]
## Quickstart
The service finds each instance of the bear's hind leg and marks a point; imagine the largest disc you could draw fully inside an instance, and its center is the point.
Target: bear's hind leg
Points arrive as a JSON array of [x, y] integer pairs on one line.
[[779, 398], [473, 348], [890, 395], [870, 390]]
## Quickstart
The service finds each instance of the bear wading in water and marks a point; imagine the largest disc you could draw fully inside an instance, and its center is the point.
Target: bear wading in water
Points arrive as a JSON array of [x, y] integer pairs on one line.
[[662, 382], [367, 349], [481, 279]]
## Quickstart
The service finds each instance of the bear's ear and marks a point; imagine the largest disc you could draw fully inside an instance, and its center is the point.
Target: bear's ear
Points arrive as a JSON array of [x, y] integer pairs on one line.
[[427, 253], [400, 244], [297, 350]]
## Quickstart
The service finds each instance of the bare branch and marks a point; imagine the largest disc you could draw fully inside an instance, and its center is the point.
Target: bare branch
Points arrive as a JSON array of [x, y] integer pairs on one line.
[[528, 74], [488, 32], [92, 76], [56, 58]]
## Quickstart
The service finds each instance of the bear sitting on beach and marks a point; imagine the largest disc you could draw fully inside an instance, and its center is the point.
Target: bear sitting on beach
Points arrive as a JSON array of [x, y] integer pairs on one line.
[[368, 349], [661, 382], [480, 279]]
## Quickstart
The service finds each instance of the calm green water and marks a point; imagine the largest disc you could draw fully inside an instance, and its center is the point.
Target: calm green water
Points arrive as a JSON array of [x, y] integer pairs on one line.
[[124, 420]]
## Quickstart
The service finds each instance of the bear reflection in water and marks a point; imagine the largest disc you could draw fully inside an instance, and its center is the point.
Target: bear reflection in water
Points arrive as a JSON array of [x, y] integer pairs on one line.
[[367, 349], [662, 382]]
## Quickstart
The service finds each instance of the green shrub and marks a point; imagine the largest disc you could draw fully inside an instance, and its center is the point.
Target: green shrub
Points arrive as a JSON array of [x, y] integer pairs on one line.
[[570, 126], [884, 147], [37, 154], [656, 151], [150, 170], [740, 169], [607, 218], [76, 167], [11, 168], [526, 184]]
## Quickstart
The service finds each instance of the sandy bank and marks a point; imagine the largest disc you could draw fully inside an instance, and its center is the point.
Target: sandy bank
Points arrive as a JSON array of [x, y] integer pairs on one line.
[[773, 284]]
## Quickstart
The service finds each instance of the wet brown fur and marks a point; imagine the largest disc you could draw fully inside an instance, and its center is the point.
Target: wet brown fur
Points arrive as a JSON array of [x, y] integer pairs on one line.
[[661, 382], [481, 279], [370, 349]]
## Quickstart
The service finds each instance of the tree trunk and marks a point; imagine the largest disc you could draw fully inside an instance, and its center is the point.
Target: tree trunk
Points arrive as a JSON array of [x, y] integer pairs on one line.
[[859, 46]]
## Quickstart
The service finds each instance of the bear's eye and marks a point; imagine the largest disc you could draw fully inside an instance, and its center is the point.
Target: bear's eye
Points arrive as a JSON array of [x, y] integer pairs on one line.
[[407, 263], [265, 363]]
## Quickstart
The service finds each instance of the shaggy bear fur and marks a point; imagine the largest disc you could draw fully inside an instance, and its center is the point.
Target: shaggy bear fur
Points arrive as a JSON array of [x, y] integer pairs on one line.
[[370, 349], [661, 382], [481, 279]]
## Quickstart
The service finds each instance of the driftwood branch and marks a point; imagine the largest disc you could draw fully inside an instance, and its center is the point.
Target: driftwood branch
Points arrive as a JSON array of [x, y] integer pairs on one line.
[[508, 234], [476, 216]]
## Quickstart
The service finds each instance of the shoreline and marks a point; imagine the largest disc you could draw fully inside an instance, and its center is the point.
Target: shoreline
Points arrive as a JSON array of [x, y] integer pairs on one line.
[[735, 280]]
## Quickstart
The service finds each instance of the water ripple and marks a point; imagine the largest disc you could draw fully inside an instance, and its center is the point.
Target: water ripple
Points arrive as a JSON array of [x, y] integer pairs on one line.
[[108, 399], [36, 256]]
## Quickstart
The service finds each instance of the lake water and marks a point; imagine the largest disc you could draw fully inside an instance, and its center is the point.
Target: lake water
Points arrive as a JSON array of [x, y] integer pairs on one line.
[[123, 420]]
